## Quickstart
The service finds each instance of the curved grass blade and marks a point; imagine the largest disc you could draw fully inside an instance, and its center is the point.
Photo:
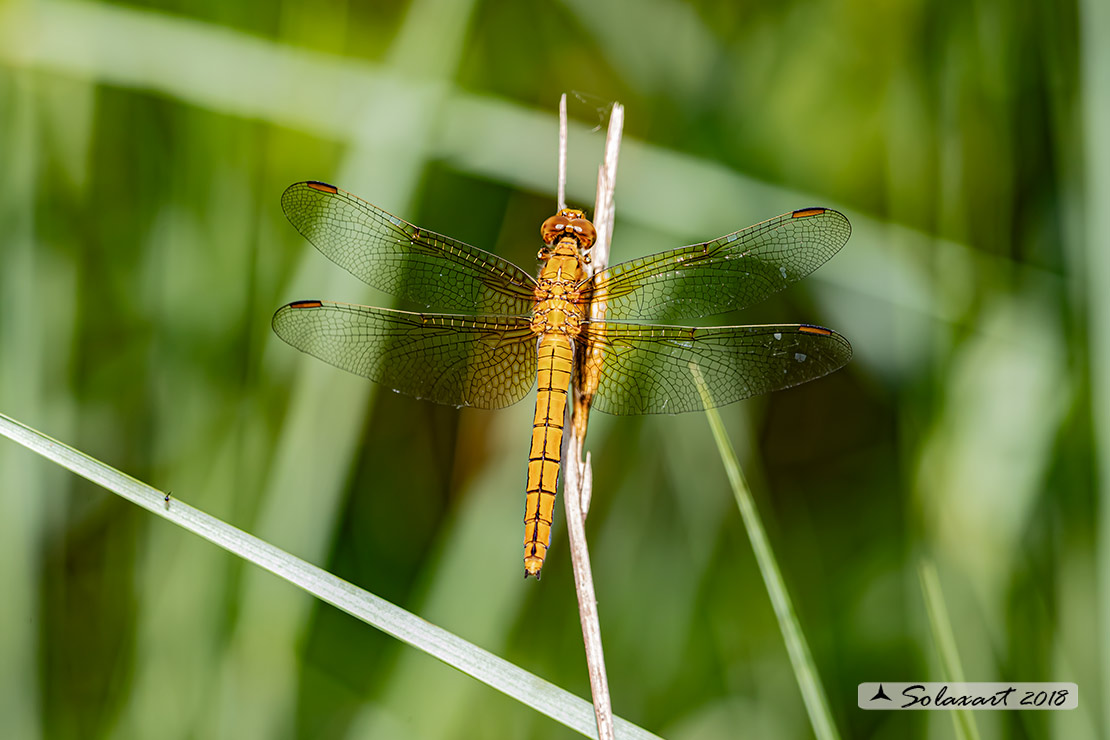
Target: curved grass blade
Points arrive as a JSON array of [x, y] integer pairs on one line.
[[805, 671], [529, 689], [963, 720]]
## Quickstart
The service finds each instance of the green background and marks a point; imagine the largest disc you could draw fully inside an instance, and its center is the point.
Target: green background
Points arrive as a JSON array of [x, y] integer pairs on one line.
[[143, 151]]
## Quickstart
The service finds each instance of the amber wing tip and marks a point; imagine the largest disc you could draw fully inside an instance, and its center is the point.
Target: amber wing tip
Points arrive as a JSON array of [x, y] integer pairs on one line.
[[311, 303], [321, 186]]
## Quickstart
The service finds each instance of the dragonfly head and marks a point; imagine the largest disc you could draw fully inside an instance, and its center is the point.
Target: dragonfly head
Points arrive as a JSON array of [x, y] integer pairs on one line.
[[569, 222]]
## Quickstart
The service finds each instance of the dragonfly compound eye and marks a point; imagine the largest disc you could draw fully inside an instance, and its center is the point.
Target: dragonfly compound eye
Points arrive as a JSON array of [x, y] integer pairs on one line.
[[585, 232], [553, 228]]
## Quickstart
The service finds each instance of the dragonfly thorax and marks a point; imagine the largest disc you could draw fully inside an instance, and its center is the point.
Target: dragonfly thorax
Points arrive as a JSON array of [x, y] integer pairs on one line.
[[557, 316], [560, 280], [558, 307]]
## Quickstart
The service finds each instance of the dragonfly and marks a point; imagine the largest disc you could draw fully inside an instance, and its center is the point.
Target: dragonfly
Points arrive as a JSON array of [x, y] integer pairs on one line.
[[501, 331]]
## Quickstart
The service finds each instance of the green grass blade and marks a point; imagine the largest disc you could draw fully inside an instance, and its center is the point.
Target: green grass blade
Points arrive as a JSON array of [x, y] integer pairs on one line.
[[964, 720], [805, 672], [541, 695], [1093, 160]]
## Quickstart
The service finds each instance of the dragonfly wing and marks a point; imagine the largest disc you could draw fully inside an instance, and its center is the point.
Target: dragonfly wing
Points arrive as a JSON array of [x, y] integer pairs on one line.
[[485, 362], [734, 271], [392, 255], [645, 369]]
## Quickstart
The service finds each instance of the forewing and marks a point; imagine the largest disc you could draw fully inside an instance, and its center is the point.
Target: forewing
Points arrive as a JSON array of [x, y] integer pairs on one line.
[[428, 269], [645, 369], [485, 362], [734, 271]]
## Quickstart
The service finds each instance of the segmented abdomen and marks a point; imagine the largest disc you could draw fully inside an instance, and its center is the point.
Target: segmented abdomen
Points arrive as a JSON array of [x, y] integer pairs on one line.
[[556, 355]]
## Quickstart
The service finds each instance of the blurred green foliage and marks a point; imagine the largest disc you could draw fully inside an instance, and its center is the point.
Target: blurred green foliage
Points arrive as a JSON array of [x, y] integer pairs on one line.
[[144, 147]]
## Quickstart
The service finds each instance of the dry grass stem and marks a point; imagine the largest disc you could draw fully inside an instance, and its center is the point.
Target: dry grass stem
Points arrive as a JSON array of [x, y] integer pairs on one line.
[[579, 475]]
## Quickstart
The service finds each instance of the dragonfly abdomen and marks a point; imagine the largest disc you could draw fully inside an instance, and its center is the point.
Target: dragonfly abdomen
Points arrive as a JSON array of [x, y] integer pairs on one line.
[[556, 354]]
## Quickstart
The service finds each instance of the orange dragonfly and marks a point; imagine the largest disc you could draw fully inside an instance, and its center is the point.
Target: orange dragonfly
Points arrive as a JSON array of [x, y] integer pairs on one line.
[[513, 330]]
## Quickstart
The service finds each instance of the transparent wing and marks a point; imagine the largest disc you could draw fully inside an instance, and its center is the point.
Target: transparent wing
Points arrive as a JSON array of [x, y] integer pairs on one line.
[[732, 272], [392, 255], [644, 369], [486, 362]]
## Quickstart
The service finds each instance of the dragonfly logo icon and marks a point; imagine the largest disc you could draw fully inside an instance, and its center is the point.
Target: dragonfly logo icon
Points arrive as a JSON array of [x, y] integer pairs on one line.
[[880, 694]]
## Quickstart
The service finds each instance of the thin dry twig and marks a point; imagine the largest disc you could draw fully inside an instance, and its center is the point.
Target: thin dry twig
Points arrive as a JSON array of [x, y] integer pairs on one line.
[[579, 474], [562, 192]]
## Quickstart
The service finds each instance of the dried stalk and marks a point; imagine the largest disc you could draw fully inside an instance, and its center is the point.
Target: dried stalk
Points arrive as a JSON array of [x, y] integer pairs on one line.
[[562, 191], [578, 489]]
